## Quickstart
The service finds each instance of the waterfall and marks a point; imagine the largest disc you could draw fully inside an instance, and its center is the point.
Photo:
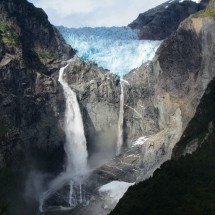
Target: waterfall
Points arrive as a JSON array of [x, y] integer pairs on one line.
[[76, 151], [120, 121], [75, 146]]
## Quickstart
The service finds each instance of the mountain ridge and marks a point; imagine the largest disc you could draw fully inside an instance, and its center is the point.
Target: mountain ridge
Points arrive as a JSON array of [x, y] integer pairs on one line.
[[158, 23]]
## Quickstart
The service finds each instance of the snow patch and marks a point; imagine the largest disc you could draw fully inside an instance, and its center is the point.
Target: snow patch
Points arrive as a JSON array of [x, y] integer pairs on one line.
[[115, 189], [140, 141], [197, 1]]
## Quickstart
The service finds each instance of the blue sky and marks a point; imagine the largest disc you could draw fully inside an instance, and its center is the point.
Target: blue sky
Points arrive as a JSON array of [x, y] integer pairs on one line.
[[92, 13]]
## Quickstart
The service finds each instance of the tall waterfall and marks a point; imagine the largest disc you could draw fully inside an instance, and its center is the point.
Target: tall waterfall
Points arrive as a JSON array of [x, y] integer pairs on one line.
[[76, 150], [120, 121], [75, 146], [117, 49]]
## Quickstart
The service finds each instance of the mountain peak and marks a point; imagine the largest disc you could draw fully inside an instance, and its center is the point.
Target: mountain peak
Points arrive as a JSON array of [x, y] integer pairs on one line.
[[159, 22]]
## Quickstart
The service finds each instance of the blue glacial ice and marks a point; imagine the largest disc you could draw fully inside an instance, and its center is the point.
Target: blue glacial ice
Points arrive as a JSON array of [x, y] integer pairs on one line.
[[115, 48]]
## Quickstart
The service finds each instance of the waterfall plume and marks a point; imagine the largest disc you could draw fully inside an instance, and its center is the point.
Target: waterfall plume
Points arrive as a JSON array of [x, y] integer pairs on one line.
[[75, 147], [120, 121]]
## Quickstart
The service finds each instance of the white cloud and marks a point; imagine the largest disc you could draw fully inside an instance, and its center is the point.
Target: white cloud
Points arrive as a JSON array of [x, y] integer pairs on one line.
[[79, 13]]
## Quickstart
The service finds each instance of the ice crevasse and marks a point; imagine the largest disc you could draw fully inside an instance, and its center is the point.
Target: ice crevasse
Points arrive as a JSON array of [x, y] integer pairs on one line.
[[117, 49]]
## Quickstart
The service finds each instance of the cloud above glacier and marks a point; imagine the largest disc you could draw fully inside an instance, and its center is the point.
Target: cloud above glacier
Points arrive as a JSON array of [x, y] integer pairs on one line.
[[92, 13]]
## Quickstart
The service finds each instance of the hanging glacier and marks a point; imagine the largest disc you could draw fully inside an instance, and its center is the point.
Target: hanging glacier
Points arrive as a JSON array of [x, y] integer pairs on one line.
[[117, 49]]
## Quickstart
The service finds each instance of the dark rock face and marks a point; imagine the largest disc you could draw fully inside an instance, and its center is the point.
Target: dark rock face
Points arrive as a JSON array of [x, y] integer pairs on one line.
[[159, 22], [31, 134], [41, 44], [32, 102], [31, 107]]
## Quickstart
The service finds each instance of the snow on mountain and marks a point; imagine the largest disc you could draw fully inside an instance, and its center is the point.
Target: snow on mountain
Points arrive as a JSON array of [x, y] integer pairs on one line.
[[116, 48], [197, 1], [115, 189]]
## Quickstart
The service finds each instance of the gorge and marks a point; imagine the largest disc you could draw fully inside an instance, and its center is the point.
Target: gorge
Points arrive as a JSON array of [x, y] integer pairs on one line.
[[79, 126], [74, 129]]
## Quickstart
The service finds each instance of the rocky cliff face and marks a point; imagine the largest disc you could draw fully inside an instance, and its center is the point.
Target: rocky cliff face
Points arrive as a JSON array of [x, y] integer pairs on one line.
[[161, 98], [167, 90], [41, 45], [196, 71], [98, 93], [31, 101], [155, 99], [159, 22], [31, 51], [181, 186], [160, 91], [201, 126]]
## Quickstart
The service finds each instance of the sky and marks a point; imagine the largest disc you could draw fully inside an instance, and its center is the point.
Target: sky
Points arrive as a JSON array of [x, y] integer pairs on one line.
[[94, 13]]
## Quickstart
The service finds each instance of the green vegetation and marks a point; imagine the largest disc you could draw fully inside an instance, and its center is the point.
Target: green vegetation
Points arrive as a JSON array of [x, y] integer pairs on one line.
[[185, 186], [32, 60], [209, 11], [205, 13], [45, 55], [35, 60], [8, 35], [211, 4]]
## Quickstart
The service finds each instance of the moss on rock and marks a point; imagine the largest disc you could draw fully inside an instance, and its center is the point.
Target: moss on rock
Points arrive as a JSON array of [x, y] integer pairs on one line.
[[46, 55], [209, 11], [8, 35]]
